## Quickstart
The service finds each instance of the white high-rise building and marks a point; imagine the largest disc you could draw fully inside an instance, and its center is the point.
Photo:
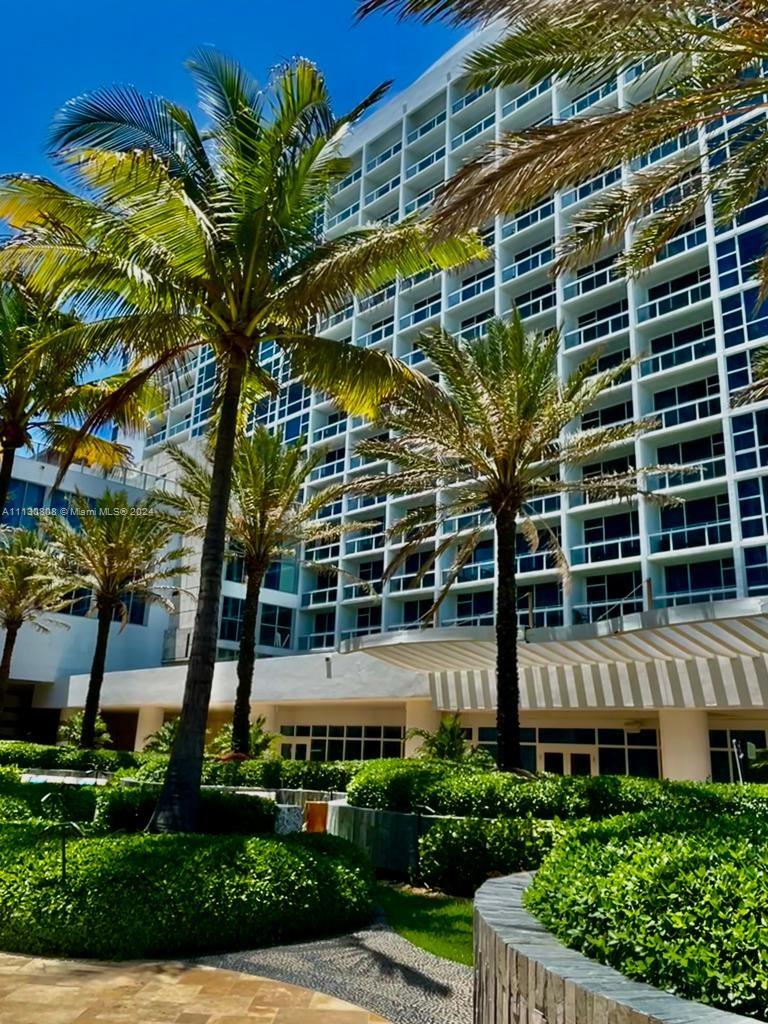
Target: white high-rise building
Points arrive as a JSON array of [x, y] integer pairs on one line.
[[691, 320]]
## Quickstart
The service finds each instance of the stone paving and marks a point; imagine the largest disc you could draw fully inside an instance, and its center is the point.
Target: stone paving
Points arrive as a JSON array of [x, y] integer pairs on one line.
[[36, 991], [374, 967]]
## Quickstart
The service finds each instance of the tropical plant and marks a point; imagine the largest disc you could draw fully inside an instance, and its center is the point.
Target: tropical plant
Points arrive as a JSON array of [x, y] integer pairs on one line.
[[447, 743], [161, 740], [268, 519], [192, 238], [117, 556], [258, 740], [45, 396], [29, 591], [494, 437], [71, 729], [703, 66]]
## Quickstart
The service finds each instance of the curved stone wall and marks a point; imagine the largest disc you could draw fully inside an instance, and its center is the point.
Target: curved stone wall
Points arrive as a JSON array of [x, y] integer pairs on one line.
[[524, 975]]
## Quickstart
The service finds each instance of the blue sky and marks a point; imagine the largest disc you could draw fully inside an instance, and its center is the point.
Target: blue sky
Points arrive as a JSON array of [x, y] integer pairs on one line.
[[56, 49]]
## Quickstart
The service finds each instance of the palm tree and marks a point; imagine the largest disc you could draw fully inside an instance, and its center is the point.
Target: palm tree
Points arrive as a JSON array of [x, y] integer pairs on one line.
[[190, 238], [268, 519], [120, 555], [29, 591], [703, 64], [43, 398], [494, 438]]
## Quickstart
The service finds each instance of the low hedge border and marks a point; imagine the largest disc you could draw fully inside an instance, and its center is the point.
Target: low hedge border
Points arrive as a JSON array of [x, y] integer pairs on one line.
[[151, 896]]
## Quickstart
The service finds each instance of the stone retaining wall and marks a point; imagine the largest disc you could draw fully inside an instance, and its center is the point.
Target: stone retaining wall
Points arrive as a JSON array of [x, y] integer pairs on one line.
[[524, 975], [389, 838]]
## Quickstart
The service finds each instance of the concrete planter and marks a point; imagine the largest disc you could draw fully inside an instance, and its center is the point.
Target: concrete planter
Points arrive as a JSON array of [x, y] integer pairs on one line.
[[389, 838], [524, 975]]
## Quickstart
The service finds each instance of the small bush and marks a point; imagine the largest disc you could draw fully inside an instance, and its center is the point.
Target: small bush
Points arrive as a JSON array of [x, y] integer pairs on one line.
[[269, 773], [40, 756], [395, 785], [129, 809], [147, 896], [71, 729], [23, 801], [458, 856], [678, 900]]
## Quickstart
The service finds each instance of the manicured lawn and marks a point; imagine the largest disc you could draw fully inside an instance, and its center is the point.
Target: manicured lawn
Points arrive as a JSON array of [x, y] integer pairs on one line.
[[440, 924]]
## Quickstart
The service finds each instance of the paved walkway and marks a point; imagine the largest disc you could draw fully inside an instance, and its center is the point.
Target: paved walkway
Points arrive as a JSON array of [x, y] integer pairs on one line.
[[35, 991], [375, 968]]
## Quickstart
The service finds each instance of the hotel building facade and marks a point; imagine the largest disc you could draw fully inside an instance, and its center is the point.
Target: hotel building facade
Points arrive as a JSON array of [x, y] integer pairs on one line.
[[653, 660]]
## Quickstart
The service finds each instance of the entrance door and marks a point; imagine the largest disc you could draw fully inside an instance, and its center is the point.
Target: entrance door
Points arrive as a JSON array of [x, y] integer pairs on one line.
[[563, 760]]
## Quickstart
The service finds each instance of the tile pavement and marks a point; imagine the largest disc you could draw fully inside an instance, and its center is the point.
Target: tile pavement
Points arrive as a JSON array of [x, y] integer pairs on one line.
[[37, 991]]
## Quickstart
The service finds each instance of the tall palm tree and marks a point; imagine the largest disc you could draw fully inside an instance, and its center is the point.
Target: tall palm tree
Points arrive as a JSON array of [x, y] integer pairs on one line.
[[494, 438], [703, 63], [193, 237], [43, 398], [269, 518], [29, 591], [120, 556]]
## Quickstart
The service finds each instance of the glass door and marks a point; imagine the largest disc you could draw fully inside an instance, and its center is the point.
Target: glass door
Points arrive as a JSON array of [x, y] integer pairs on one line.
[[563, 760]]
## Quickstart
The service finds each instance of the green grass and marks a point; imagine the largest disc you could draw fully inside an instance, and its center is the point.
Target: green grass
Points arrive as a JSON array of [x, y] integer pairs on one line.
[[440, 924]]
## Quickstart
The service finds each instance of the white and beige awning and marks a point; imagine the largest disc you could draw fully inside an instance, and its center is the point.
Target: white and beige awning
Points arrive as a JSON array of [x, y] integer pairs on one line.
[[707, 655]]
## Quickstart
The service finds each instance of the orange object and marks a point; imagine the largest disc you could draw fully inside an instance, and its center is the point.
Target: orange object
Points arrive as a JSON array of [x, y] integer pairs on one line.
[[315, 816]]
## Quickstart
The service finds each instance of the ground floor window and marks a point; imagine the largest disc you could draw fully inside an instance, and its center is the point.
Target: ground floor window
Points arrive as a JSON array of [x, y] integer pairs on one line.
[[728, 745], [341, 742]]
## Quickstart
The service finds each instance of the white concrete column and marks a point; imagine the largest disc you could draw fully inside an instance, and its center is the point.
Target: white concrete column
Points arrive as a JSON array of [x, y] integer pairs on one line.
[[419, 714], [149, 721], [684, 736]]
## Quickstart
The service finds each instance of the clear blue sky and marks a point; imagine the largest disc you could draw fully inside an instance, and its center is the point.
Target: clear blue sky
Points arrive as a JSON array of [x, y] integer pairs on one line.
[[56, 49]]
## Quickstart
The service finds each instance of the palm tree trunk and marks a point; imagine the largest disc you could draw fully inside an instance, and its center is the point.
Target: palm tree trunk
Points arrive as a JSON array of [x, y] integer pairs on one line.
[[509, 755], [11, 632], [177, 808], [6, 471], [246, 659], [91, 711]]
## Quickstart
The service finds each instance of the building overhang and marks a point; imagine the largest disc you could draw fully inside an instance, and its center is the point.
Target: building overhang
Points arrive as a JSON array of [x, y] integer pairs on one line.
[[704, 655]]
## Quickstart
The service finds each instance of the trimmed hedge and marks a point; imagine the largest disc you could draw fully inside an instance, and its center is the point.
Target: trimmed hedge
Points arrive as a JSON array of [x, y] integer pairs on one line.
[[147, 896], [129, 809], [458, 856], [269, 773], [23, 801], [675, 900], [449, 789], [38, 755]]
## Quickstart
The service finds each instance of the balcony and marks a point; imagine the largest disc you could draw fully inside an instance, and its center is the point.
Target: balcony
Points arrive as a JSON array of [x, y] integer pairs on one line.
[[409, 582], [474, 131], [376, 335], [683, 243], [381, 158], [382, 190], [470, 620], [317, 642], [470, 98], [528, 219], [180, 427], [688, 412], [422, 200], [327, 469], [479, 286], [422, 165], [534, 261], [588, 99], [344, 215], [346, 182], [527, 97], [596, 611], [668, 148], [591, 282], [426, 127], [588, 188], [706, 469], [370, 630], [377, 298], [418, 316], [597, 329], [677, 300], [683, 597], [605, 551], [370, 542], [410, 282], [673, 357], [356, 503], [326, 322], [315, 597], [474, 331], [414, 357], [329, 430], [476, 572], [680, 538], [361, 591], [323, 553], [536, 306]]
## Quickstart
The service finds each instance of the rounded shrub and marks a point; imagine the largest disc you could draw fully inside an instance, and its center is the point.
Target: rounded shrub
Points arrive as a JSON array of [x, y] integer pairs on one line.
[[41, 756], [141, 896], [399, 785], [130, 809], [267, 773], [676, 899], [23, 801], [458, 855]]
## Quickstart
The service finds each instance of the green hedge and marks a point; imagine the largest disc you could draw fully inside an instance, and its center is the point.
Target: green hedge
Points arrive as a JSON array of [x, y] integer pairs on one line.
[[457, 856], [145, 896], [448, 789], [38, 755], [129, 809], [678, 901], [23, 801], [269, 773]]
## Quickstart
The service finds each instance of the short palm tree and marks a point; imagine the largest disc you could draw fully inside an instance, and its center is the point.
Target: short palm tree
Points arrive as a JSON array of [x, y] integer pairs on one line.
[[195, 237], [43, 398], [704, 64], [117, 554], [29, 591], [269, 519], [494, 438]]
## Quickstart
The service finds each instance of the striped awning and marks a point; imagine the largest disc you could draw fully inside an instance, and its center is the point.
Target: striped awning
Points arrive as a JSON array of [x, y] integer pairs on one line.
[[708, 655]]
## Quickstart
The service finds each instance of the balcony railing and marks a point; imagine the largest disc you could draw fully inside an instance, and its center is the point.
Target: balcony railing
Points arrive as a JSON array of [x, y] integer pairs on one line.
[[357, 502], [683, 243], [527, 220], [596, 611], [688, 412], [421, 314], [527, 97], [524, 266], [346, 182], [473, 573], [377, 298], [706, 469], [413, 357], [697, 536], [470, 97], [315, 597], [343, 215], [370, 542], [469, 291], [683, 597], [385, 155], [317, 641], [470, 620], [409, 582], [677, 300], [327, 469], [382, 190], [588, 188], [330, 430], [472, 133], [679, 356], [428, 161], [588, 99], [533, 307], [597, 329], [591, 282], [421, 200], [323, 553], [426, 127], [605, 550], [376, 335]]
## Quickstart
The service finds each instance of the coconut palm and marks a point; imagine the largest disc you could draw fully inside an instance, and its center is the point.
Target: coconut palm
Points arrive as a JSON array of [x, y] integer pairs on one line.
[[703, 64], [120, 556], [494, 438], [268, 519], [193, 237], [44, 397], [29, 592]]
